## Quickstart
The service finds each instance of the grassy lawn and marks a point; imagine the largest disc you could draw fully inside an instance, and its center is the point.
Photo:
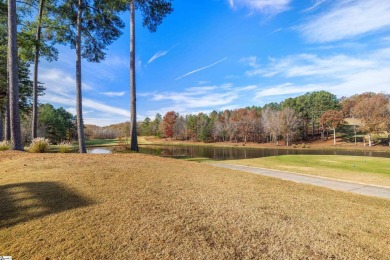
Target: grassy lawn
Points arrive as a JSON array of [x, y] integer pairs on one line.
[[102, 142], [113, 142], [134, 206], [370, 170]]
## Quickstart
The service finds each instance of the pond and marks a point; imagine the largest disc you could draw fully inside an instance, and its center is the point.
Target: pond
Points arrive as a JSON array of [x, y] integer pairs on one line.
[[99, 151], [231, 153], [104, 149], [227, 153]]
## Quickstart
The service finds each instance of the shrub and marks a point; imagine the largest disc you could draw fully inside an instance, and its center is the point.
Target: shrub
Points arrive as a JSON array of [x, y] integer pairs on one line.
[[65, 147], [5, 145], [124, 141], [39, 145]]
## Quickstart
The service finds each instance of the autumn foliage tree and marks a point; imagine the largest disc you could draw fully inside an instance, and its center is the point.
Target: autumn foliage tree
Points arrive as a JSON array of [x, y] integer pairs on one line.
[[372, 110], [288, 120], [247, 122], [332, 119], [169, 121]]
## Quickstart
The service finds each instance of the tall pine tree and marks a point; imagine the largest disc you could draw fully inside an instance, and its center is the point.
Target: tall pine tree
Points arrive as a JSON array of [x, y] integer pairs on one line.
[[93, 25], [153, 12], [16, 136]]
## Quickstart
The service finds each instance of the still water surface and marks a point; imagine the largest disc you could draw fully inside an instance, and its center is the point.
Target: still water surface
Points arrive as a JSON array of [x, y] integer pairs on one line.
[[227, 153], [231, 153], [99, 150]]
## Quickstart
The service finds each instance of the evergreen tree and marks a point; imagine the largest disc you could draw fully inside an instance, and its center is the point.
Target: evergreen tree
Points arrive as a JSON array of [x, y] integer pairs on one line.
[[16, 136], [153, 11], [25, 45], [39, 39], [92, 26]]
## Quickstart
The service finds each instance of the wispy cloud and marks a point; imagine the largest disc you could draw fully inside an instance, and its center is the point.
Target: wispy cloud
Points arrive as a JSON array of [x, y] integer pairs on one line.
[[286, 89], [314, 6], [87, 103], [105, 121], [201, 99], [342, 75], [347, 19], [60, 91], [269, 7], [200, 69], [113, 94], [105, 108], [117, 61], [157, 55], [73, 111], [58, 81], [302, 65], [250, 61], [276, 30], [190, 99]]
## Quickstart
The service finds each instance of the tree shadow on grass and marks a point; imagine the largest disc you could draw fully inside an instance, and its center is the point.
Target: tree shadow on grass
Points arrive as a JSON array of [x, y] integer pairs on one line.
[[23, 202]]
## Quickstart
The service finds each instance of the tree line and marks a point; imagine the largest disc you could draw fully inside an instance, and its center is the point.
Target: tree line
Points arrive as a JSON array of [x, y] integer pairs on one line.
[[31, 30], [306, 117]]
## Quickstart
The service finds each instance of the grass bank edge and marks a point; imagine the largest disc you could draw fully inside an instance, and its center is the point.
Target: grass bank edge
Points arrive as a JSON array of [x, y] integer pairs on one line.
[[369, 170]]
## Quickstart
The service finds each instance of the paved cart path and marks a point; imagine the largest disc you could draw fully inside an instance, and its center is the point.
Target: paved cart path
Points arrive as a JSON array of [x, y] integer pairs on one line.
[[359, 188]]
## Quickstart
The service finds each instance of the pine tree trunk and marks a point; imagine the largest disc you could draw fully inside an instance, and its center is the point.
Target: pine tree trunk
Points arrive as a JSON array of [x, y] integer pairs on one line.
[[1, 126], [16, 136], [133, 113], [7, 121], [79, 108], [35, 77]]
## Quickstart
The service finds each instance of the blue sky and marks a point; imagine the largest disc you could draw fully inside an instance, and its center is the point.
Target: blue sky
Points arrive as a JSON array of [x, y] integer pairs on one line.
[[225, 54]]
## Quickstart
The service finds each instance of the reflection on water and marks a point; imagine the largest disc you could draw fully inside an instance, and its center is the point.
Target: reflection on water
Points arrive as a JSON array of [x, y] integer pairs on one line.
[[99, 151], [227, 153], [231, 153], [105, 149]]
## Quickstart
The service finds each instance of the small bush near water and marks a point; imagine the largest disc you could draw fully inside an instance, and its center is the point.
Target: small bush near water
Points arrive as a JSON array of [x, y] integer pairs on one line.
[[301, 145], [39, 145], [5, 145], [65, 147]]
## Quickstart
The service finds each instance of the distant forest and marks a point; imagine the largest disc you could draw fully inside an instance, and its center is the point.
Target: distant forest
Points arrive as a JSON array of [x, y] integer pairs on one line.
[[314, 115]]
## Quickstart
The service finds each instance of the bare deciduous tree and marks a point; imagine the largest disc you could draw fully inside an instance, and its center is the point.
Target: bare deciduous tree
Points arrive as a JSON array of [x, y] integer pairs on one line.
[[289, 123]]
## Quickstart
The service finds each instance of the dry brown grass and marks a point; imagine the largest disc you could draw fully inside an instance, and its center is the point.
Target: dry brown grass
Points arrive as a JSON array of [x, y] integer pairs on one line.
[[132, 206]]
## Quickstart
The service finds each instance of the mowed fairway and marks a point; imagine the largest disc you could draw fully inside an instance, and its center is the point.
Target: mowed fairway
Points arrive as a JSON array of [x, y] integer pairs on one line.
[[370, 170], [133, 206]]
